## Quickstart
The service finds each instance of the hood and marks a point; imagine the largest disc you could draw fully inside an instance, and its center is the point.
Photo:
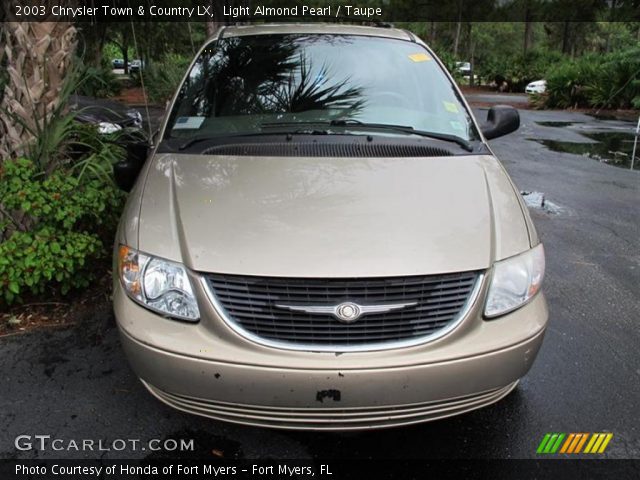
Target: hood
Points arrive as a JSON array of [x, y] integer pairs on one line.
[[330, 217]]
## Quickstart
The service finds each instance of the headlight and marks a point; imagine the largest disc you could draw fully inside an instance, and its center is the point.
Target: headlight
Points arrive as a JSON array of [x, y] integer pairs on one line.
[[515, 281], [136, 116], [105, 128], [158, 284]]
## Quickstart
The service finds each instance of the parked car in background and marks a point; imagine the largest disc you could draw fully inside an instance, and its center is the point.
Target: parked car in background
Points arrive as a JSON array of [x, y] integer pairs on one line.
[[537, 87], [108, 116], [321, 238], [464, 68], [136, 65], [118, 63]]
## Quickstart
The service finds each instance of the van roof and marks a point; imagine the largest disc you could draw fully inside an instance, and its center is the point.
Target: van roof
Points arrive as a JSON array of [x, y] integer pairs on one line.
[[315, 28]]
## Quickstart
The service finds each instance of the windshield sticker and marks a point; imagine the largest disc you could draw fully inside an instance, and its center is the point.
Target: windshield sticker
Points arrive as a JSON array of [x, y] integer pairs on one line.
[[420, 57], [456, 125], [450, 107], [188, 123]]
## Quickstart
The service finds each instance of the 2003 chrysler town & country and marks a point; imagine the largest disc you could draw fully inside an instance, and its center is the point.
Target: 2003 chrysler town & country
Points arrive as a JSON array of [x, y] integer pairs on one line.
[[321, 238]]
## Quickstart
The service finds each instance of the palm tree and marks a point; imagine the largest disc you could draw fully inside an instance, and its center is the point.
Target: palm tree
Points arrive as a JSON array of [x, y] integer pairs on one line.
[[38, 56]]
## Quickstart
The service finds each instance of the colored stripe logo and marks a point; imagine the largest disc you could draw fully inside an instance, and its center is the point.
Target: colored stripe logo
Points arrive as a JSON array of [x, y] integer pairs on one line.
[[574, 443]]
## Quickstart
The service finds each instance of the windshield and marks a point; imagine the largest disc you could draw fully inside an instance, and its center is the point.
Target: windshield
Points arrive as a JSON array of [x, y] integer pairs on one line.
[[279, 83]]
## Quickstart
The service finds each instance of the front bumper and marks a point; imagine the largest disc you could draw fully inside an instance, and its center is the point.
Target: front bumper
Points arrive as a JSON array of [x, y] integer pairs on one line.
[[332, 418], [207, 369]]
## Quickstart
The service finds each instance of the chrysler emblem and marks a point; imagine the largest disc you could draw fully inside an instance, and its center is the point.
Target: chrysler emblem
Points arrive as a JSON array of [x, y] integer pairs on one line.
[[348, 312]]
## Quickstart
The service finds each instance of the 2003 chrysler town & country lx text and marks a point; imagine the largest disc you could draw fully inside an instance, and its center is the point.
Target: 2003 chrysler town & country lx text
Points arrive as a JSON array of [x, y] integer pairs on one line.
[[320, 238]]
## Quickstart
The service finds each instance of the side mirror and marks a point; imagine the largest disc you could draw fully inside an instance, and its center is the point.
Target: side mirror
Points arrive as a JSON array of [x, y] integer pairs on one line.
[[126, 172], [501, 119]]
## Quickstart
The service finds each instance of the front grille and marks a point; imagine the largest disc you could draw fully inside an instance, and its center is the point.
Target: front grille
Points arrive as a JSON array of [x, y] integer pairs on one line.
[[250, 303]]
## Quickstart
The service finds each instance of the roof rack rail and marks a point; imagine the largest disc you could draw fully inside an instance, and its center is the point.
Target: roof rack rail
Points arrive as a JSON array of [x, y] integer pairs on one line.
[[371, 22]]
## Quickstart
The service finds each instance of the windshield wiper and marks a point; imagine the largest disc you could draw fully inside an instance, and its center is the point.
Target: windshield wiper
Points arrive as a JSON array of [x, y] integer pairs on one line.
[[193, 141], [405, 129], [204, 138], [377, 126]]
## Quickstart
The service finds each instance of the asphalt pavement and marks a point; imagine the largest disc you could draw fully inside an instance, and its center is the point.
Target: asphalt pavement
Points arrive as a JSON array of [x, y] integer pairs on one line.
[[75, 383]]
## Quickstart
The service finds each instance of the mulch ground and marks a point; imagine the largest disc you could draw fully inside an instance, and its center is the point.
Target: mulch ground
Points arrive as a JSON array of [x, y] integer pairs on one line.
[[479, 89], [131, 96], [58, 312]]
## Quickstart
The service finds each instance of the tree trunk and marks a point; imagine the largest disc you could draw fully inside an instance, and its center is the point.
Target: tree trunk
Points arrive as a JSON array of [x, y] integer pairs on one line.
[[211, 28], [38, 57], [470, 52], [1, 46], [123, 43], [92, 37], [125, 57], [566, 34], [217, 21], [432, 35], [456, 41], [528, 29], [99, 46]]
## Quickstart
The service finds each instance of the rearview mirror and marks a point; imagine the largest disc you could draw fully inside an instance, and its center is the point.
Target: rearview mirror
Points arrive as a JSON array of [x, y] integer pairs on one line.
[[126, 172], [501, 120]]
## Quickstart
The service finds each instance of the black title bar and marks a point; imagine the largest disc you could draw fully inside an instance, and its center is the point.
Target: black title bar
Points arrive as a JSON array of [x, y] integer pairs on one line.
[[189, 469], [374, 11]]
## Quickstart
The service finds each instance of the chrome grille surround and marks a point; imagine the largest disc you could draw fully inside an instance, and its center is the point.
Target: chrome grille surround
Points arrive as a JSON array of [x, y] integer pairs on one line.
[[429, 328]]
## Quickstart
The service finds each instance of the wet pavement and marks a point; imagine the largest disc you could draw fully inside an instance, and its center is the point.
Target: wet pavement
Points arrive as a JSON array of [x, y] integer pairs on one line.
[[608, 141], [75, 383]]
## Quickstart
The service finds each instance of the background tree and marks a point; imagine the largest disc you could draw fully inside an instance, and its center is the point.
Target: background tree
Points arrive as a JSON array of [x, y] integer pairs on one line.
[[38, 56]]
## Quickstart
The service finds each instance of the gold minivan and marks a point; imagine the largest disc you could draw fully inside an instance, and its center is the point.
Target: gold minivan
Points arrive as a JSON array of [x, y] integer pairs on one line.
[[321, 238]]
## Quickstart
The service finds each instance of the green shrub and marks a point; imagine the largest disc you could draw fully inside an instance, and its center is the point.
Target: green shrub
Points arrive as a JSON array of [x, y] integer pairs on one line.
[[99, 82], [616, 83], [59, 208], [161, 79], [92, 155], [518, 70], [59, 225], [58, 136], [566, 83], [597, 81], [60, 141]]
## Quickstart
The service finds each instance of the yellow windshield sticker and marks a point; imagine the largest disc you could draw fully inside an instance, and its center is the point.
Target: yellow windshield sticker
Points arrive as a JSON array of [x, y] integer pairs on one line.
[[420, 57], [450, 107]]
